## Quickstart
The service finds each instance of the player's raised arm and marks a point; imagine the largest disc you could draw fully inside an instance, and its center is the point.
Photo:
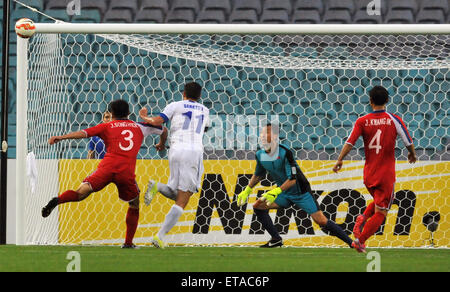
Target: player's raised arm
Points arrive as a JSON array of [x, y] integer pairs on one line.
[[72, 135], [154, 121], [345, 150], [162, 140]]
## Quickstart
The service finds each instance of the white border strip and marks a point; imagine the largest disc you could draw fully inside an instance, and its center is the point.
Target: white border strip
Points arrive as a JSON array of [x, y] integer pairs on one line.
[[167, 28]]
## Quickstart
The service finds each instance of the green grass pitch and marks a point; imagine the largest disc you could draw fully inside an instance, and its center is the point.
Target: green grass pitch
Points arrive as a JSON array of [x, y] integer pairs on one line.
[[218, 259]]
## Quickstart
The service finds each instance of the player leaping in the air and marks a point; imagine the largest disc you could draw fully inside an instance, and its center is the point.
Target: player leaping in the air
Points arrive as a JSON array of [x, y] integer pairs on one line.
[[379, 130], [292, 188], [188, 120], [123, 139]]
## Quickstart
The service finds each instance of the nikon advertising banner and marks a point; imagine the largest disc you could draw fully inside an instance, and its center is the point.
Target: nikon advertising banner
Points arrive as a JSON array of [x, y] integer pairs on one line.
[[418, 217]]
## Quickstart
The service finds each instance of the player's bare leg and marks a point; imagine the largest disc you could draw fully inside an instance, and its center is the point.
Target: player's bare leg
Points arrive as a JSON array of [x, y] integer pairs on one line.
[[154, 187], [172, 217], [83, 191]]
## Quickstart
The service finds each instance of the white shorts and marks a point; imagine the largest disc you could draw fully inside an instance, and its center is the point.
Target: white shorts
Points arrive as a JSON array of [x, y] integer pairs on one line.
[[186, 170]]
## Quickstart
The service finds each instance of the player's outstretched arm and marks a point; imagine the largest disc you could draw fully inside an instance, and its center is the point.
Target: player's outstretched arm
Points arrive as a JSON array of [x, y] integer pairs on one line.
[[154, 121], [162, 140], [243, 196], [345, 150], [72, 135], [412, 157]]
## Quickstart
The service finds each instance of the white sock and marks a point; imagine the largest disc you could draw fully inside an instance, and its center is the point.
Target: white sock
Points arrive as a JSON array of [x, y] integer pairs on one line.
[[170, 220], [166, 191]]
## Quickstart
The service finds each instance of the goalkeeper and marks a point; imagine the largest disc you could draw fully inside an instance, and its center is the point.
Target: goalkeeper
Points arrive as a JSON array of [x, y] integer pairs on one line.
[[293, 188]]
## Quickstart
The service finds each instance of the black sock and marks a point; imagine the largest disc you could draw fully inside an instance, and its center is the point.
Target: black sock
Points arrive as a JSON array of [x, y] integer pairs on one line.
[[264, 218], [337, 231]]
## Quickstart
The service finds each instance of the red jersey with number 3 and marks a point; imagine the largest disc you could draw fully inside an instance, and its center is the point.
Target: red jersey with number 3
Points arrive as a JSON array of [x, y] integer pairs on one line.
[[379, 130], [123, 139]]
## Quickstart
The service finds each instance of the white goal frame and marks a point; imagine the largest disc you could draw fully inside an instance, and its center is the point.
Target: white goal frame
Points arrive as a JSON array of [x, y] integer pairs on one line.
[[249, 29]]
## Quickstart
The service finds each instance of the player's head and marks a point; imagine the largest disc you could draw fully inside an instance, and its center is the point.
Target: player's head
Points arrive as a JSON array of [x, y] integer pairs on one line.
[[119, 109], [192, 90], [378, 95], [107, 117], [269, 135]]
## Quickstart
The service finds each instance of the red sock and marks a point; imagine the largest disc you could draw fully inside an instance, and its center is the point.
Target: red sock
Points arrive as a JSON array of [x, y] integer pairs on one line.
[[132, 223], [371, 226], [370, 210], [68, 196]]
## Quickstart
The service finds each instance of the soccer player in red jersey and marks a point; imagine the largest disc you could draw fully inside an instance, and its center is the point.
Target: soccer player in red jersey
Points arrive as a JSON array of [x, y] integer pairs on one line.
[[123, 139], [379, 130]]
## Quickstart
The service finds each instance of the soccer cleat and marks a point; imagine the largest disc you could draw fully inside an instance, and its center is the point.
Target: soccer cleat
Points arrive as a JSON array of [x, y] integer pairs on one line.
[[129, 246], [151, 192], [157, 242], [359, 225], [273, 243], [359, 246], [47, 210]]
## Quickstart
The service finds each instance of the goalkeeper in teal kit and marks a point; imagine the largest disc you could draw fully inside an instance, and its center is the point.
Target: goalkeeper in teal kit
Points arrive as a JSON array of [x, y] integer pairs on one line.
[[292, 188]]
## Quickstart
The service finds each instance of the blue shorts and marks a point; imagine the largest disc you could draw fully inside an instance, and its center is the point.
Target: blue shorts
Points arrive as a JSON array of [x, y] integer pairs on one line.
[[305, 201]]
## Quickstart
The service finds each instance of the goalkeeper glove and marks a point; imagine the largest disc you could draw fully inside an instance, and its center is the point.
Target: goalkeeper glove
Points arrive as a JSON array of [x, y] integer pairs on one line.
[[243, 196], [270, 196]]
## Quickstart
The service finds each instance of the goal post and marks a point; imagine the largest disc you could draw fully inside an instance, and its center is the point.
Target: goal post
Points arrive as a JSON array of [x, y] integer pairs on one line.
[[311, 79]]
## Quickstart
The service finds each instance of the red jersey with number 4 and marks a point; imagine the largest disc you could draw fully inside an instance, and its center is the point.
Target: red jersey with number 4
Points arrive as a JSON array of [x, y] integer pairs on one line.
[[123, 139], [379, 130]]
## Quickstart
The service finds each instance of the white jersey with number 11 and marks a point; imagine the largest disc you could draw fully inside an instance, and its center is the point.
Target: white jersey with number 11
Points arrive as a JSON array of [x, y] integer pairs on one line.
[[188, 120]]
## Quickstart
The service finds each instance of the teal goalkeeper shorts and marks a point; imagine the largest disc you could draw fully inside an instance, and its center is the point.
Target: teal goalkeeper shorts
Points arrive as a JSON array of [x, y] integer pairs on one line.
[[305, 201]]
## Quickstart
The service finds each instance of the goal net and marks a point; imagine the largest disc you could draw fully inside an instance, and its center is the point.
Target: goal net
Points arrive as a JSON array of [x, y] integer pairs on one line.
[[314, 85]]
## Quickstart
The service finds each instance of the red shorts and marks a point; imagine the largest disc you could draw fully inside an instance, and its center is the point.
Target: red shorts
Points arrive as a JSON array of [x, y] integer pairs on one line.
[[124, 181], [383, 195]]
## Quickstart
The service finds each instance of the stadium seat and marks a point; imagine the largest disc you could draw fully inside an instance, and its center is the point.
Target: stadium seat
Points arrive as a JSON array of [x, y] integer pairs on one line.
[[361, 16], [254, 5], [222, 5], [119, 16], [56, 4], [274, 16], [162, 5], [60, 14], [399, 16], [38, 4], [430, 16], [306, 17], [243, 16], [316, 5], [340, 5], [362, 5], [284, 5], [211, 16], [130, 5], [88, 16], [337, 16], [435, 4], [16, 14], [186, 5], [180, 16], [410, 5], [149, 16], [99, 5]]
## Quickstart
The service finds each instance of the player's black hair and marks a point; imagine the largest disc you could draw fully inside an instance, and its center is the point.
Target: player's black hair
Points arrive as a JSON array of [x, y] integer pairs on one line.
[[193, 90], [379, 95], [119, 109]]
